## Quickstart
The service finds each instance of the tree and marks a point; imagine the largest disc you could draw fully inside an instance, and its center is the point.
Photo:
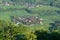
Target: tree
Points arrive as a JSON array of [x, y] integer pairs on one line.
[[41, 34], [54, 26]]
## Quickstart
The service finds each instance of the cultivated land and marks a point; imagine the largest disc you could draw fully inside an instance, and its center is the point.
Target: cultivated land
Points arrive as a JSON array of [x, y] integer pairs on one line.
[[29, 19], [49, 14]]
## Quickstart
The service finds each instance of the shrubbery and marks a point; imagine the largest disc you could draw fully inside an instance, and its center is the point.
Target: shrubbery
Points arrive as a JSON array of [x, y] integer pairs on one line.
[[10, 31]]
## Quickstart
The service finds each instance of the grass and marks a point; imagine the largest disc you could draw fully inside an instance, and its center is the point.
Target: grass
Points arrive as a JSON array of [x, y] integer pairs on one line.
[[7, 14], [48, 14]]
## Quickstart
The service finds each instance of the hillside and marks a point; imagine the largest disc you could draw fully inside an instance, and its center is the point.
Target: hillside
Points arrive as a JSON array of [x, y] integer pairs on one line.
[[49, 14], [55, 3], [42, 11], [29, 19]]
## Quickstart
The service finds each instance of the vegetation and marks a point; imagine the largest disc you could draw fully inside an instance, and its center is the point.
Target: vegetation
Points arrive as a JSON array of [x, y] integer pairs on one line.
[[10, 31], [49, 11], [55, 3]]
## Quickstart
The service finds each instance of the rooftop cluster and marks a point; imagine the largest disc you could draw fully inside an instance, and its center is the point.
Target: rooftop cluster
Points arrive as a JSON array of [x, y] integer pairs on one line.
[[28, 20]]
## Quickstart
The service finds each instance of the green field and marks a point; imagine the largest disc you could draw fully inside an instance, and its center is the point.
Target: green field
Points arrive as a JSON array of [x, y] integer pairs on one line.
[[29, 10], [48, 14]]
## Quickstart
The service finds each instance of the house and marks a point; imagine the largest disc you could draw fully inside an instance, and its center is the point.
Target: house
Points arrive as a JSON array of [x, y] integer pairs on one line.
[[29, 20], [37, 5], [5, 3], [31, 6]]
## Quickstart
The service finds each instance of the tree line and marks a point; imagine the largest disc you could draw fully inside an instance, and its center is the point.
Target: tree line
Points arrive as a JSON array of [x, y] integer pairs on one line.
[[11, 31], [55, 3]]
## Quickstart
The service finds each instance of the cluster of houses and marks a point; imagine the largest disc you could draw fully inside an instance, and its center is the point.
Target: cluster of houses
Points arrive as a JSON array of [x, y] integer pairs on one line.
[[28, 5], [32, 5], [27, 20], [5, 3]]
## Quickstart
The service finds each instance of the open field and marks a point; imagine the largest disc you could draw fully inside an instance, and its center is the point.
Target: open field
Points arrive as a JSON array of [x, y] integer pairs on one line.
[[49, 14]]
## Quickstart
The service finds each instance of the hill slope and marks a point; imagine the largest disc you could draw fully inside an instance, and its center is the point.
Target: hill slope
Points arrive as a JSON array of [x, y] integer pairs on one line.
[[49, 14]]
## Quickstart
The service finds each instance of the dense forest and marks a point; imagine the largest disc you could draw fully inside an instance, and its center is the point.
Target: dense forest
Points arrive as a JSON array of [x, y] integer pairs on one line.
[[12, 12], [10, 31]]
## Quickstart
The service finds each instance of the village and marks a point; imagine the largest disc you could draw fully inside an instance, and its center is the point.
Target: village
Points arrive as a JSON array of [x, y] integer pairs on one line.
[[28, 5], [27, 20]]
